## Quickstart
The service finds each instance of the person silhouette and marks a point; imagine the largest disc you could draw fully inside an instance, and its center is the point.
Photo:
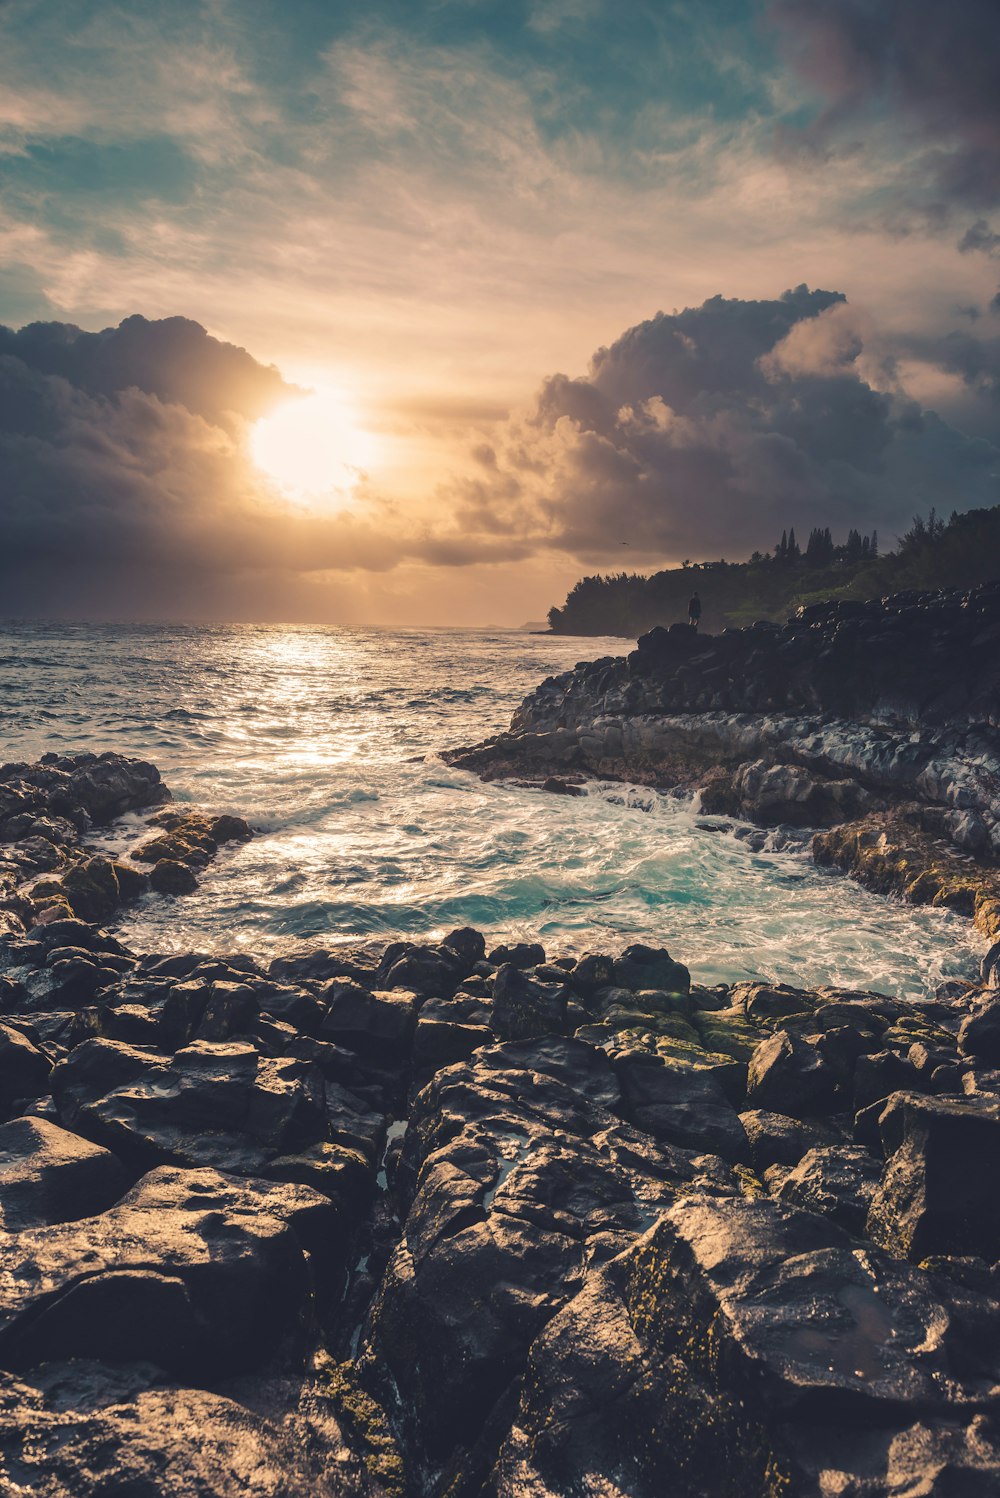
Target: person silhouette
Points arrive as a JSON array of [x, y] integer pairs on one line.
[[694, 610]]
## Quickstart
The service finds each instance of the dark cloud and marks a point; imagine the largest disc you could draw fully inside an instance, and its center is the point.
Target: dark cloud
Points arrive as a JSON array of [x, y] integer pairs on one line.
[[933, 68], [173, 359], [126, 484], [708, 431], [975, 360], [980, 237]]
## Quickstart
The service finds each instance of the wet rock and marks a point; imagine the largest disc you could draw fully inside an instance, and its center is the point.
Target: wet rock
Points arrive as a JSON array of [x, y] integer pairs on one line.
[[24, 1069], [878, 1076], [514, 1186], [191, 1270], [449, 1030], [743, 1347], [980, 1033], [523, 954], [524, 1008], [775, 1139], [594, 970], [641, 967], [788, 1074], [373, 1023], [171, 877], [92, 889], [48, 1175], [427, 971], [940, 1190], [225, 1105], [837, 1181], [772, 1000], [87, 1430], [686, 1108], [230, 1009]]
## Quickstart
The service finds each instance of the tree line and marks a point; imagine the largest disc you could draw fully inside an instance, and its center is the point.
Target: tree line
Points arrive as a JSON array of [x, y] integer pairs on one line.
[[933, 553]]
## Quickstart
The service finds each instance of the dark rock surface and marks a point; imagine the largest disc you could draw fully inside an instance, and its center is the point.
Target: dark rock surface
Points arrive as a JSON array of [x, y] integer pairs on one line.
[[414, 1222]]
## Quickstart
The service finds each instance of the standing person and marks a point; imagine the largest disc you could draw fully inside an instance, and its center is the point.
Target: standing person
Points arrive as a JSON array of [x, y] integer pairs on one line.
[[694, 610]]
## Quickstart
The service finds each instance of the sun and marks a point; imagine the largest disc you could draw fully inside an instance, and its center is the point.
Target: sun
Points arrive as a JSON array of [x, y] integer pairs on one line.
[[311, 446]]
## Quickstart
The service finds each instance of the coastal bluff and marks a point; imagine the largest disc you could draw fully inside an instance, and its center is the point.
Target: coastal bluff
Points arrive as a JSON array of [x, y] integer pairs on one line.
[[877, 723], [434, 1218]]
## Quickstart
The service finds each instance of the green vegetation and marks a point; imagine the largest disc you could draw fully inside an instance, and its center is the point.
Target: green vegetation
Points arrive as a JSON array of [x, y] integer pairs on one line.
[[961, 552]]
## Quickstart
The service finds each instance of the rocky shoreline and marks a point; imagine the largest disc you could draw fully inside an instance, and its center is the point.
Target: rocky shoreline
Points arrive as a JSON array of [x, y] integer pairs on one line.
[[880, 720], [432, 1219]]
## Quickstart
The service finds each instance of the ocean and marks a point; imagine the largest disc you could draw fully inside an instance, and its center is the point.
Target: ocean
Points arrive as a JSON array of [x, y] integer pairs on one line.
[[328, 741]]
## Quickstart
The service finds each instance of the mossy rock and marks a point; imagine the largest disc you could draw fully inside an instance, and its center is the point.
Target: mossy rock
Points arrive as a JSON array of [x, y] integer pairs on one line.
[[910, 1028], [658, 1024], [365, 1426], [728, 1031]]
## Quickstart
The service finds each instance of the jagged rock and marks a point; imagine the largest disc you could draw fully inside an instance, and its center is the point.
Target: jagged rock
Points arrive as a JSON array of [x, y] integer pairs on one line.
[[788, 1074], [24, 1069], [192, 1270], [777, 1140], [772, 1000], [524, 1008], [940, 1190], [641, 967], [838, 1181], [92, 889], [514, 1185], [171, 877], [522, 954], [594, 970], [428, 971], [449, 1030], [980, 1033], [739, 1349], [374, 1023], [686, 1108], [48, 1175], [87, 1430], [218, 1104], [230, 1009]]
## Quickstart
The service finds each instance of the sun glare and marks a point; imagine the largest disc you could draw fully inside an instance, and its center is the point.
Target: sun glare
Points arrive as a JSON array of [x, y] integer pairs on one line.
[[311, 446]]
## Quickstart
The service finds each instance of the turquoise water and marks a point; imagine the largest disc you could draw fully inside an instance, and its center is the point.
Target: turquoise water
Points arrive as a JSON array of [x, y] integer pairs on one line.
[[327, 740]]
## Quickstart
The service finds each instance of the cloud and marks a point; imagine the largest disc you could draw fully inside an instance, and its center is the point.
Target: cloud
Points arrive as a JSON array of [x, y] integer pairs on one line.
[[979, 236], [126, 475], [710, 430], [129, 490], [931, 70]]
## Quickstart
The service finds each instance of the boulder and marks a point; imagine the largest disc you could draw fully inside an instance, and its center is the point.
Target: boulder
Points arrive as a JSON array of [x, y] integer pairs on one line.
[[979, 1036], [192, 1270], [940, 1189], [514, 1185], [776, 1139], [744, 1348], [838, 1181], [641, 967], [685, 1107], [219, 1104], [171, 877], [788, 1074], [371, 1023], [24, 1069], [524, 1008], [523, 954], [92, 889], [48, 1175], [90, 1430]]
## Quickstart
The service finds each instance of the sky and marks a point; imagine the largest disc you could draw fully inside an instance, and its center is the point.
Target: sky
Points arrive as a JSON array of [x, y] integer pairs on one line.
[[396, 312]]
